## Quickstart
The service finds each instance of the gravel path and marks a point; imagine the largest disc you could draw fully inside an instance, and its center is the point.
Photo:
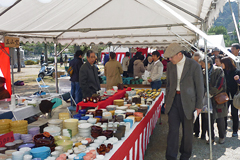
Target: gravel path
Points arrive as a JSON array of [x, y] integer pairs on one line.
[[230, 150]]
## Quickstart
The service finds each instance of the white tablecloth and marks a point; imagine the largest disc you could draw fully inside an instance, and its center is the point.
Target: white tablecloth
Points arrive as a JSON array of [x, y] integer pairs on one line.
[[24, 112]]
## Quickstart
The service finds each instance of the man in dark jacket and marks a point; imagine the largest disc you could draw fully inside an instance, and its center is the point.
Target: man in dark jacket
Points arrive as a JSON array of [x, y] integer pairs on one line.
[[76, 64], [130, 66], [88, 76]]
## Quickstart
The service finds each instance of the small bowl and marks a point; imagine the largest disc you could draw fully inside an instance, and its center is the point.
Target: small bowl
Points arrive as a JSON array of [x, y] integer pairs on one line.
[[55, 121], [84, 125], [122, 108], [57, 138], [92, 120]]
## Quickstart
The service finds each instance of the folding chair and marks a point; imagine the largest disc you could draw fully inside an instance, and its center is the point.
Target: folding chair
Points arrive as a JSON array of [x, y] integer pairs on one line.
[[44, 86], [66, 97]]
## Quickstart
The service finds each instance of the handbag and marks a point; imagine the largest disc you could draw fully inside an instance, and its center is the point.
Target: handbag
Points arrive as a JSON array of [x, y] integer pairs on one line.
[[221, 98], [236, 100], [70, 71]]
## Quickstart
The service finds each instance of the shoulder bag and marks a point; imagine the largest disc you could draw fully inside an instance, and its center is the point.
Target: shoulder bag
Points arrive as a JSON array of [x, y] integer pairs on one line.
[[221, 98], [236, 99]]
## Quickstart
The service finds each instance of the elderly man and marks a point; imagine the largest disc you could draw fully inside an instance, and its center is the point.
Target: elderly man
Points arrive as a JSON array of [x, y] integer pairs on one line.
[[88, 76], [184, 95], [235, 47]]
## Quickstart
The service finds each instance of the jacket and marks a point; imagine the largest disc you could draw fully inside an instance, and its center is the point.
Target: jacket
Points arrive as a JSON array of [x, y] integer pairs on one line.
[[125, 63], [76, 64], [156, 70], [130, 66], [217, 84], [88, 79], [232, 85], [191, 87], [113, 71], [138, 68]]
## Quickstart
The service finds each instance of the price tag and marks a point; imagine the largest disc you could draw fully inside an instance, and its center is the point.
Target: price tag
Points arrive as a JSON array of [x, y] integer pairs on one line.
[[12, 42], [8, 137]]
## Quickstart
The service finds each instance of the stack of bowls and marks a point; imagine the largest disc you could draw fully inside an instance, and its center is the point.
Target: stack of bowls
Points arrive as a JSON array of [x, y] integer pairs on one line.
[[63, 116], [17, 136], [56, 122], [33, 131], [122, 108], [5, 126], [119, 102], [107, 115], [19, 126], [71, 124], [96, 131], [84, 129], [41, 140], [26, 138], [66, 144], [53, 130], [18, 155], [40, 152], [111, 107]]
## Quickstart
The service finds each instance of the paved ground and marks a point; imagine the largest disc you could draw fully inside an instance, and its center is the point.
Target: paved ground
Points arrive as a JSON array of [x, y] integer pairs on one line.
[[230, 150]]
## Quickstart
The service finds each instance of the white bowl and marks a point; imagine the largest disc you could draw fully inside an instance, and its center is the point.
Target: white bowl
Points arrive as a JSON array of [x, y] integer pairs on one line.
[[52, 129], [113, 139], [82, 121], [130, 110], [94, 145], [107, 141], [92, 120], [85, 125], [84, 134], [55, 121], [122, 108], [119, 112], [102, 138], [98, 141]]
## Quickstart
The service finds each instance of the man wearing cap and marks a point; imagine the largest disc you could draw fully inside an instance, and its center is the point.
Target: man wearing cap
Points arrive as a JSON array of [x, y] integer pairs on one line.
[[215, 53], [3, 92], [184, 95], [235, 47]]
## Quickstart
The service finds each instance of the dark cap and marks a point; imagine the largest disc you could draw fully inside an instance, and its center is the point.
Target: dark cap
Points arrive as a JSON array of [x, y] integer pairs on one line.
[[2, 80]]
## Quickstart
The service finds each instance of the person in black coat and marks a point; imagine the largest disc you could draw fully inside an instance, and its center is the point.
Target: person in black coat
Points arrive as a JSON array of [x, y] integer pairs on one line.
[[230, 72], [88, 76], [130, 66], [76, 64]]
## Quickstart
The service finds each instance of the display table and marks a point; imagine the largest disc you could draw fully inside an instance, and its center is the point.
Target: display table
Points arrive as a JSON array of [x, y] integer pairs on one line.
[[135, 142], [23, 112], [29, 110], [104, 103], [135, 85]]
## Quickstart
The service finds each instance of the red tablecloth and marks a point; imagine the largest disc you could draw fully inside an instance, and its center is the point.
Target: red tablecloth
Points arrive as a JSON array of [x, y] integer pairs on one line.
[[105, 103], [135, 145]]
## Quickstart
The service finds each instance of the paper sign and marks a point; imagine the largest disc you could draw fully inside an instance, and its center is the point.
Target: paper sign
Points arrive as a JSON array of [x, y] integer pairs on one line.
[[12, 42], [8, 137]]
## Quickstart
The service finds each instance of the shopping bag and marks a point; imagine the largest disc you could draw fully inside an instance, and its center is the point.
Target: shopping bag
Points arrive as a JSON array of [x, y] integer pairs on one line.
[[205, 105]]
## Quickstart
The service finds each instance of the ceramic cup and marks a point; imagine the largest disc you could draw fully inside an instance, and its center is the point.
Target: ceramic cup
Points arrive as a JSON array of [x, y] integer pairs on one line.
[[27, 157], [55, 154]]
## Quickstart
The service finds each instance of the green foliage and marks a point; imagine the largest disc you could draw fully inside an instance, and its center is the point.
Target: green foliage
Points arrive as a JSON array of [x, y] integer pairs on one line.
[[30, 62]]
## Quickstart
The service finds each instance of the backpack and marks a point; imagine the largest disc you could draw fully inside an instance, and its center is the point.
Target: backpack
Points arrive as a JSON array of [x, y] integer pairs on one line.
[[19, 83], [70, 71]]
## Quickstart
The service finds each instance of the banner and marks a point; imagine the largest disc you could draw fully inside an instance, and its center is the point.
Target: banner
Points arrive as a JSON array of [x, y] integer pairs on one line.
[[5, 67]]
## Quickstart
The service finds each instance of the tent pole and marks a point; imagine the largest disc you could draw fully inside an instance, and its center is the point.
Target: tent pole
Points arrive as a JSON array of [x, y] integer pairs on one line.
[[234, 21], [55, 60], [208, 97], [11, 50]]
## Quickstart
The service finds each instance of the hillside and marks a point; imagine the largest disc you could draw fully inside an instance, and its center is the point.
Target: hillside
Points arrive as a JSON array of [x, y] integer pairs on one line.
[[225, 18]]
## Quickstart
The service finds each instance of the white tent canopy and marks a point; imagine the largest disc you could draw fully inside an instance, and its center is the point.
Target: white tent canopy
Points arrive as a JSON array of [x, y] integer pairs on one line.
[[214, 38], [128, 22]]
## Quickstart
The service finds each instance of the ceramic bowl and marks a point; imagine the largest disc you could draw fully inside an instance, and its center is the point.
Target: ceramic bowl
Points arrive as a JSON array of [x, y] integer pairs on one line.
[[102, 138], [111, 107], [92, 120], [66, 144], [57, 138], [5, 121], [3, 156], [122, 108], [52, 130], [119, 112], [70, 121], [41, 140], [85, 125], [113, 140], [55, 121]]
